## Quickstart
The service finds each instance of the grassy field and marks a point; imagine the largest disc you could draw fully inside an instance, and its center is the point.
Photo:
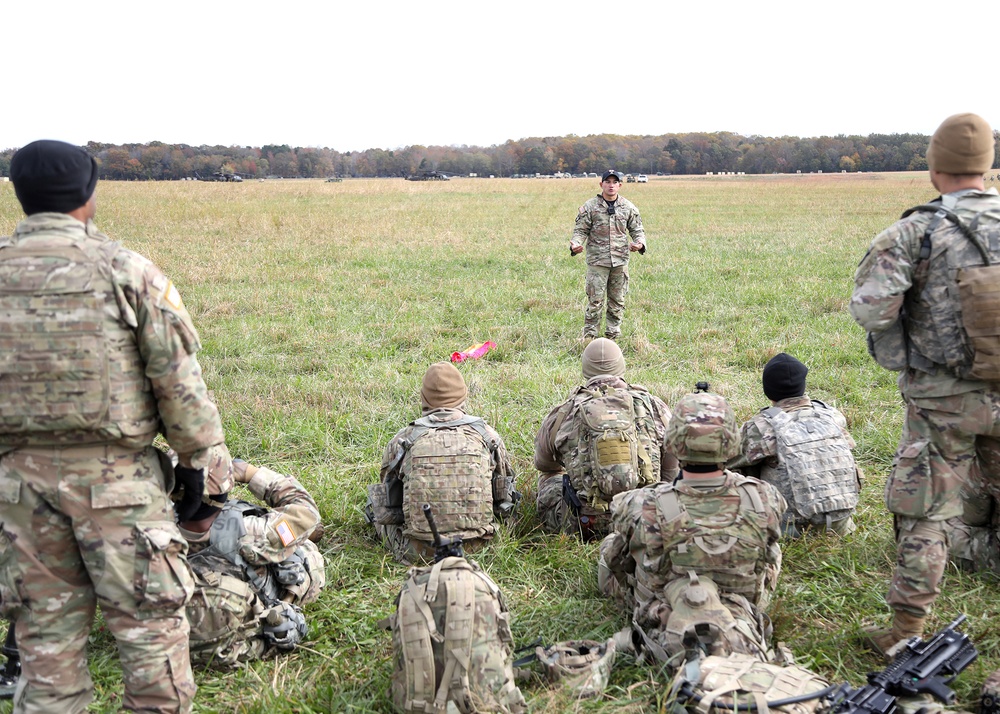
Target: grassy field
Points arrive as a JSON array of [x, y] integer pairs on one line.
[[321, 305]]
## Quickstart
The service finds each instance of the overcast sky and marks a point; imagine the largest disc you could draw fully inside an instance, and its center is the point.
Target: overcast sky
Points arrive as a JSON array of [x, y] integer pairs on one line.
[[371, 73]]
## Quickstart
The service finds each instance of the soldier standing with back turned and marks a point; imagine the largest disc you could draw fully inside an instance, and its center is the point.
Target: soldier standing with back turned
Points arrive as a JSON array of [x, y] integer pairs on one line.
[[926, 293], [610, 227], [97, 355]]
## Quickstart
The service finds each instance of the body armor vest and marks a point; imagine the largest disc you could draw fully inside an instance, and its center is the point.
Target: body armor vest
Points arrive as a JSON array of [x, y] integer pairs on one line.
[[70, 369], [449, 465]]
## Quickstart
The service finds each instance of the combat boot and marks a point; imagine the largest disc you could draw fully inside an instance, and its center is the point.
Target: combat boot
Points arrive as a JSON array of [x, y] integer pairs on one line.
[[887, 642]]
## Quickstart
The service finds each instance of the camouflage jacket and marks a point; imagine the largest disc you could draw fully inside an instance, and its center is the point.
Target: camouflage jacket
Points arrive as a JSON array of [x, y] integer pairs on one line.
[[273, 537], [760, 448], [882, 285], [144, 301], [607, 237], [557, 438], [392, 474]]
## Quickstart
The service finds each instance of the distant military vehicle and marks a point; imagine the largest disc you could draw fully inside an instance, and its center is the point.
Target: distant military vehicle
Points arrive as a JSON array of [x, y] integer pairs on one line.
[[334, 179], [429, 176], [220, 176]]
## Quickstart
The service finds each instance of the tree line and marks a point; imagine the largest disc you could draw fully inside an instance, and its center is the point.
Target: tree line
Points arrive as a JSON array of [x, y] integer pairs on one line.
[[691, 153]]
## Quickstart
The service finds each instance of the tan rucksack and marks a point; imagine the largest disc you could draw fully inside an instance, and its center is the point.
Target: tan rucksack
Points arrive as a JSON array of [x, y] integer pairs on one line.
[[452, 643]]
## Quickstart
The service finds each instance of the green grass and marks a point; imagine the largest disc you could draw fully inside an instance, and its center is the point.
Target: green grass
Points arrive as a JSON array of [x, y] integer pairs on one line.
[[321, 305]]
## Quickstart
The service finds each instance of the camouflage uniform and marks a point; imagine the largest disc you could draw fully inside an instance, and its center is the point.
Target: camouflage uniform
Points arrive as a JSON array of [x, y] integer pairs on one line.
[[276, 545], [607, 239], [558, 441], [950, 417], [974, 537], [760, 457], [83, 494], [663, 534], [409, 541]]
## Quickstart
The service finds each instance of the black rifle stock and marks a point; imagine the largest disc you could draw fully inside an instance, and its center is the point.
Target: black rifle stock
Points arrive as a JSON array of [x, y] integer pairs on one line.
[[443, 548]]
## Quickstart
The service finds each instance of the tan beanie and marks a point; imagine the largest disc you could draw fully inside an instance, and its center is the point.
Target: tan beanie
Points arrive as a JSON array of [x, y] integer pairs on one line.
[[963, 144], [443, 386], [603, 356]]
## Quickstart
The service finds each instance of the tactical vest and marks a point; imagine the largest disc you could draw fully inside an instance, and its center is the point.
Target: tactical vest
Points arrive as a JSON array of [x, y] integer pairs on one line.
[[70, 368], [617, 447], [953, 307], [816, 472], [452, 643], [721, 535], [450, 466]]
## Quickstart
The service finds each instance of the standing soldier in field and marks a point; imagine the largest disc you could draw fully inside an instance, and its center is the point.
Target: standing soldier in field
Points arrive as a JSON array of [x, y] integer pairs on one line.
[[610, 227], [97, 355], [926, 293], [606, 438], [450, 459]]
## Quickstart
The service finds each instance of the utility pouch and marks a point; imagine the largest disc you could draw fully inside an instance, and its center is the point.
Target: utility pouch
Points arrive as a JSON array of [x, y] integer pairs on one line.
[[381, 512]]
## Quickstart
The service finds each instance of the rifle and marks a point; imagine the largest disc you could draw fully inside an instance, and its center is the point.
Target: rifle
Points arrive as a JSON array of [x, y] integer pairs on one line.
[[921, 668], [12, 669], [443, 548]]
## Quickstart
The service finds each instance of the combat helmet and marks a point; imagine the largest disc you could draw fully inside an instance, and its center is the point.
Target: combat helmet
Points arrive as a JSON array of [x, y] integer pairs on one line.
[[703, 429]]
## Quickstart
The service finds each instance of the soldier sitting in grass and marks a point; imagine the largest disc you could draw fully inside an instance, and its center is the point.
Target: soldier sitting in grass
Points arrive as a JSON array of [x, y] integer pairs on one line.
[[254, 566], [452, 460], [605, 439], [801, 446]]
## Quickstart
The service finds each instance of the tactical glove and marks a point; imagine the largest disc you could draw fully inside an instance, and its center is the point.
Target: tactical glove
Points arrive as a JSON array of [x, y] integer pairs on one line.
[[291, 571], [285, 627], [193, 481]]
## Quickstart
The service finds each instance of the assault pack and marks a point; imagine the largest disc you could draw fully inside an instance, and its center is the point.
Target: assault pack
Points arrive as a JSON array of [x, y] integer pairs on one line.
[[451, 639], [236, 613], [816, 470], [614, 453]]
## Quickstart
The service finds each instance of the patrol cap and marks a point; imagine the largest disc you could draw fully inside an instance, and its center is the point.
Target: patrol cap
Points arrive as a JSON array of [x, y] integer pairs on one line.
[[612, 172], [703, 430], [53, 176]]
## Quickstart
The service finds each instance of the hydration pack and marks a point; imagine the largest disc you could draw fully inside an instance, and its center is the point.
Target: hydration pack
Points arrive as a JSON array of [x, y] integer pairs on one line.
[[816, 472], [452, 643]]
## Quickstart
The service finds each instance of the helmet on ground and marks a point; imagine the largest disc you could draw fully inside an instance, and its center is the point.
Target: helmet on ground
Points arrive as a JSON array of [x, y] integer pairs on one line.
[[583, 666]]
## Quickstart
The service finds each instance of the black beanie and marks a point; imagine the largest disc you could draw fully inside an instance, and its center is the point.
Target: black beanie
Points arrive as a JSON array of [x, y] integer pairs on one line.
[[52, 176], [784, 377]]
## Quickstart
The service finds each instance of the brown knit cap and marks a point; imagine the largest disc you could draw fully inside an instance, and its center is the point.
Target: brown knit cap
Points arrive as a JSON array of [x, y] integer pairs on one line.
[[443, 386], [603, 356], [963, 144]]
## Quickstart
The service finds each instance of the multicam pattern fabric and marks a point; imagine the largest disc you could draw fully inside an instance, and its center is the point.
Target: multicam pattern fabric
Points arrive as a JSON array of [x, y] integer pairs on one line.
[[228, 610], [605, 286], [82, 494], [581, 666], [607, 237], [950, 418], [454, 462], [721, 529], [452, 643], [804, 450], [563, 445], [703, 430]]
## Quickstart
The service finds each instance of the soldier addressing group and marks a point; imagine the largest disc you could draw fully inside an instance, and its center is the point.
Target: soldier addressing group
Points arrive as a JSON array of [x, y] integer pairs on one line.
[[802, 447], [608, 437], [928, 293], [696, 561], [254, 566], [97, 355], [449, 459], [611, 229]]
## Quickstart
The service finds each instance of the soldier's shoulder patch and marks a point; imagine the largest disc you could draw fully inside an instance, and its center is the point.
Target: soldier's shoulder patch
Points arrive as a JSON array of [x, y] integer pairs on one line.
[[583, 208], [285, 532]]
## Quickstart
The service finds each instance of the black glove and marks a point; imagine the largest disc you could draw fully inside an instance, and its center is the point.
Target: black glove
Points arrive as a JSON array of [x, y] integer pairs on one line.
[[193, 481], [285, 627]]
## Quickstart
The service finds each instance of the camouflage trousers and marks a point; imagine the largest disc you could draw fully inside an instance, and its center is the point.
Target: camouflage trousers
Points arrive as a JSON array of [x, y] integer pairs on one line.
[[610, 285], [557, 517], [942, 439], [85, 526]]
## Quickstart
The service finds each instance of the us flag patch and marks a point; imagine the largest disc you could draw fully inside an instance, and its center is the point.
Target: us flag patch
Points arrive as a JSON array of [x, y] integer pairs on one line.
[[284, 532]]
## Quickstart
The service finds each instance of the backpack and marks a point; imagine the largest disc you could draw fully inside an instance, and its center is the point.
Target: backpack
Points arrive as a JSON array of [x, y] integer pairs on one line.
[[449, 465], [610, 458], [816, 470], [740, 677], [452, 642]]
